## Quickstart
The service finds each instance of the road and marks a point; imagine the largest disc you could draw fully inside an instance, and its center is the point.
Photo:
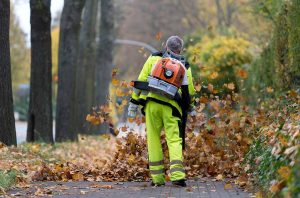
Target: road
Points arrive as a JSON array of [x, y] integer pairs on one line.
[[21, 128]]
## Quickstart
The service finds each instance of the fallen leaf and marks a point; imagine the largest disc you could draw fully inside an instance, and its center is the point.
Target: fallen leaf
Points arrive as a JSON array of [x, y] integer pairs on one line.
[[115, 82], [219, 177], [228, 186], [198, 87], [230, 86], [124, 128], [242, 73], [270, 90], [158, 36], [213, 75], [114, 73], [78, 177], [189, 189], [284, 172], [210, 88]]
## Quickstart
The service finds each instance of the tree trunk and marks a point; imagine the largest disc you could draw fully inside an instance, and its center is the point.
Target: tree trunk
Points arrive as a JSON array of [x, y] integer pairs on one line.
[[230, 9], [7, 119], [220, 13], [40, 102], [68, 52], [104, 55], [85, 78]]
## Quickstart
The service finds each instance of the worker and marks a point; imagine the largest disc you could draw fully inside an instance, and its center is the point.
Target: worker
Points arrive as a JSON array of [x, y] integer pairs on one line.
[[165, 91]]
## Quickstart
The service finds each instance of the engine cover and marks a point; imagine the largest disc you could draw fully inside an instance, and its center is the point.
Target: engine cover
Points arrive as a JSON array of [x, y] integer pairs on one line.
[[169, 70], [161, 87]]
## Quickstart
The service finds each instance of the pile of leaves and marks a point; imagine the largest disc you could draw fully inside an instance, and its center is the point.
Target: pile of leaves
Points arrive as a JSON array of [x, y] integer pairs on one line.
[[130, 162], [82, 160], [223, 139]]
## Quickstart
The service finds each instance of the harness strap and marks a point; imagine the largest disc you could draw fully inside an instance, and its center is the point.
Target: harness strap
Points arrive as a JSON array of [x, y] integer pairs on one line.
[[175, 111], [134, 101], [161, 53]]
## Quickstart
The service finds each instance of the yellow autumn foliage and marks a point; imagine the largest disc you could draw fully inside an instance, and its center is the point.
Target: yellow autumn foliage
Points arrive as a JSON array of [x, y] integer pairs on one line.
[[220, 59], [222, 51], [55, 47]]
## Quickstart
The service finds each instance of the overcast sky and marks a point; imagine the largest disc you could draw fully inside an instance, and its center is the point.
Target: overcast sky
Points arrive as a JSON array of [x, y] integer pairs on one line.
[[22, 10]]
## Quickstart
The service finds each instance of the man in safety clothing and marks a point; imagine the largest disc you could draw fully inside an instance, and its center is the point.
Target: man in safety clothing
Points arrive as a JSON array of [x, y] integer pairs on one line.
[[163, 112]]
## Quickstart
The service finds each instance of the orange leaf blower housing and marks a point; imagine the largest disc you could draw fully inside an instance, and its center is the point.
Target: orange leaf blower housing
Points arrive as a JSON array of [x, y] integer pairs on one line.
[[169, 70]]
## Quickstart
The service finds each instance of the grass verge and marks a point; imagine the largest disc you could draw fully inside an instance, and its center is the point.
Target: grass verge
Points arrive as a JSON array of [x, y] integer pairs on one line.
[[7, 179]]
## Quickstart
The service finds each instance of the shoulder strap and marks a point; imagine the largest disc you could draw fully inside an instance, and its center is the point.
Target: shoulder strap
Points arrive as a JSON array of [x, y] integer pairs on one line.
[[187, 65], [159, 53]]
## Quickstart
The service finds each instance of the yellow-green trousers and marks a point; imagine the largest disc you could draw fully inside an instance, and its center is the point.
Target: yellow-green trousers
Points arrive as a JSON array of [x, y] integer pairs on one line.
[[160, 116]]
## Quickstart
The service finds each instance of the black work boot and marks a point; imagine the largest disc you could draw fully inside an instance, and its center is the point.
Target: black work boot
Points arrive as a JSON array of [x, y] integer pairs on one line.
[[179, 183], [154, 184]]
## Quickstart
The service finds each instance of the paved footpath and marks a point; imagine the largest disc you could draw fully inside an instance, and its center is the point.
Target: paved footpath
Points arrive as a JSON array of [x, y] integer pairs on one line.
[[205, 188]]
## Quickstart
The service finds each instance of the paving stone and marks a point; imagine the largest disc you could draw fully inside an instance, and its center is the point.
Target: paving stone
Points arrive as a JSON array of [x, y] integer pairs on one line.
[[202, 188]]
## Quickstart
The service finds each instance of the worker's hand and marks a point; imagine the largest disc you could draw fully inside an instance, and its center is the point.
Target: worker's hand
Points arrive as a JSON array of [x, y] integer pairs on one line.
[[132, 110]]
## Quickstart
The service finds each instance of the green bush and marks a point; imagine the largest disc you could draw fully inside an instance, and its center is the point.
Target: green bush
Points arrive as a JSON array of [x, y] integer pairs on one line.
[[260, 77], [281, 48], [263, 165], [294, 41], [277, 68], [217, 59], [270, 68], [294, 183]]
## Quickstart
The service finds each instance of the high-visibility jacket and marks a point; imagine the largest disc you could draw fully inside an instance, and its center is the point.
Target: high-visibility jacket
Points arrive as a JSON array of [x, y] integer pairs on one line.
[[140, 97]]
